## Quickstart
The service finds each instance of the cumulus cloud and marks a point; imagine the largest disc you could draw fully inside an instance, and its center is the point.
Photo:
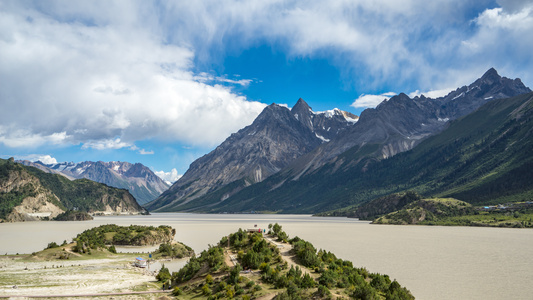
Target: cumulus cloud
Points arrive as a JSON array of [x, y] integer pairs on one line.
[[501, 33], [168, 177], [376, 42], [107, 144], [105, 78], [93, 72], [46, 159], [371, 101], [432, 94], [144, 152]]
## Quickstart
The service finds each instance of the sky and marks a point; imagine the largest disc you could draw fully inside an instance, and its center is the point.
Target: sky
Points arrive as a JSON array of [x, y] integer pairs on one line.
[[164, 82]]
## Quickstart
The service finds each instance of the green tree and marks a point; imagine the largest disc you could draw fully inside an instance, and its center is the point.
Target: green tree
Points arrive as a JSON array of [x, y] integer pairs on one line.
[[164, 274]]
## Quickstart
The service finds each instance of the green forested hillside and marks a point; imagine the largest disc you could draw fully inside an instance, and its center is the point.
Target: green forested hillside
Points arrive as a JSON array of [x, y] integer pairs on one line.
[[483, 158], [18, 182]]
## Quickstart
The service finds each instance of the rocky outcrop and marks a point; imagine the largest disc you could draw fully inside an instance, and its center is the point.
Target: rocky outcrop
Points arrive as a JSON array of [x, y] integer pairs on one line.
[[23, 198], [35, 209]]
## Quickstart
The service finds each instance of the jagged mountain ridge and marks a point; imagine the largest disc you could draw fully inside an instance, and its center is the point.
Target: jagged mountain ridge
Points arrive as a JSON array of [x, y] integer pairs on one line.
[[484, 158], [399, 124], [28, 193], [395, 126], [275, 138], [142, 183]]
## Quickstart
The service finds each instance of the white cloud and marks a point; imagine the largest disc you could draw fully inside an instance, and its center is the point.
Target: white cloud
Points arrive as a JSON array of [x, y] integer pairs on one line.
[[501, 39], [19, 137], [107, 144], [168, 177], [432, 94], [46, 159], [371, 100], [89, 73], [144, 152], [205, 77]]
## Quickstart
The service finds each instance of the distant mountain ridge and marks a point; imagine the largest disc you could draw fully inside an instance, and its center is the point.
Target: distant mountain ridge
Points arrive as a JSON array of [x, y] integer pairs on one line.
[[277, 137], [320, 179], [142, 183], [28, 194]]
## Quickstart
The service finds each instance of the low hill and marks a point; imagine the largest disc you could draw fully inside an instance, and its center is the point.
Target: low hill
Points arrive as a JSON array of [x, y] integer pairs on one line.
[[248, 265], [111, 234], [409, 208], [452, 212], [425, 211], [375, 208]]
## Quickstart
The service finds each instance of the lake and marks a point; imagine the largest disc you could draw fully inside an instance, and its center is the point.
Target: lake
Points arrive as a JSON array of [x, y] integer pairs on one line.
[[433, 262]]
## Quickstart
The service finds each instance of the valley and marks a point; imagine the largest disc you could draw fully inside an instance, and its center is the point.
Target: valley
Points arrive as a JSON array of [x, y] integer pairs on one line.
[[427, 260]]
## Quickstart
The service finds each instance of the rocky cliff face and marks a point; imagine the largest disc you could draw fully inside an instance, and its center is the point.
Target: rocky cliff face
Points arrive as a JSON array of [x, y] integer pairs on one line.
[[142, 183], [276, 138], [23, 198]]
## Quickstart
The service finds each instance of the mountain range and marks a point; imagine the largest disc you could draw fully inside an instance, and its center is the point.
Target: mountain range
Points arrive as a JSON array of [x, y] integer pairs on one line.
[[27, 194], [292, 161], [138, 179]]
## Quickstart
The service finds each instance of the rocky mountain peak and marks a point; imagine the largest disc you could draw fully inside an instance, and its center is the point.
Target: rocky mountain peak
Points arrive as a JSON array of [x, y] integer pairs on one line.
[[276, 138], [300, 106], [303, 113], [491, 76]]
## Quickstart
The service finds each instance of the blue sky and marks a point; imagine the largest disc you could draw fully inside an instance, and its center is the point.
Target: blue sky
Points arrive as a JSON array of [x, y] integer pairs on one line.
[[164, 82]]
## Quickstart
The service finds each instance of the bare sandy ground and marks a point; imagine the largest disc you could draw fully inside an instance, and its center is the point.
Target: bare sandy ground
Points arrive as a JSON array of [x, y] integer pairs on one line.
[[64, 277]]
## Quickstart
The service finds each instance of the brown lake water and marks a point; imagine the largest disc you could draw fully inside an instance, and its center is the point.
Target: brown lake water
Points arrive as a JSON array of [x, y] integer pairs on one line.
[[433, 262]]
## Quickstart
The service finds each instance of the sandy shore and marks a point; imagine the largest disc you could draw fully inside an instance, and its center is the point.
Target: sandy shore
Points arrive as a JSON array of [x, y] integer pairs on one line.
[[64, 277]]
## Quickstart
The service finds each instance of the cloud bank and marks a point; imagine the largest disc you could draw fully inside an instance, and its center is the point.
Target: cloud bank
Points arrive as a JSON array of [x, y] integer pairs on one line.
[[168, 177], [104, 75], [75, 74]]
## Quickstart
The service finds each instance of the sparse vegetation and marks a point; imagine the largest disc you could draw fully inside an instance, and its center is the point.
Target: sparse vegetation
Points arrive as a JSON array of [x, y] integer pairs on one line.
[[99, 237], [294, 282], [173, 250]]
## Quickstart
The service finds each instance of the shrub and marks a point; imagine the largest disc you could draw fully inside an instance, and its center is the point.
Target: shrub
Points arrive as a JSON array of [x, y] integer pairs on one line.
[[52, 245], [177, 291]]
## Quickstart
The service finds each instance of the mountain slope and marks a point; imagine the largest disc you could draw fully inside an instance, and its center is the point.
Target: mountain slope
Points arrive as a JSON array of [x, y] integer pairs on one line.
[[394, 126], [276, 138], [142, 183], [27, 193], [483, 158], [400, 123]]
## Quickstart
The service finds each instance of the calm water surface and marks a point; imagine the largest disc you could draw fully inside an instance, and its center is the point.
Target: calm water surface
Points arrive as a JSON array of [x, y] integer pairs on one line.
[[433, 262]]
